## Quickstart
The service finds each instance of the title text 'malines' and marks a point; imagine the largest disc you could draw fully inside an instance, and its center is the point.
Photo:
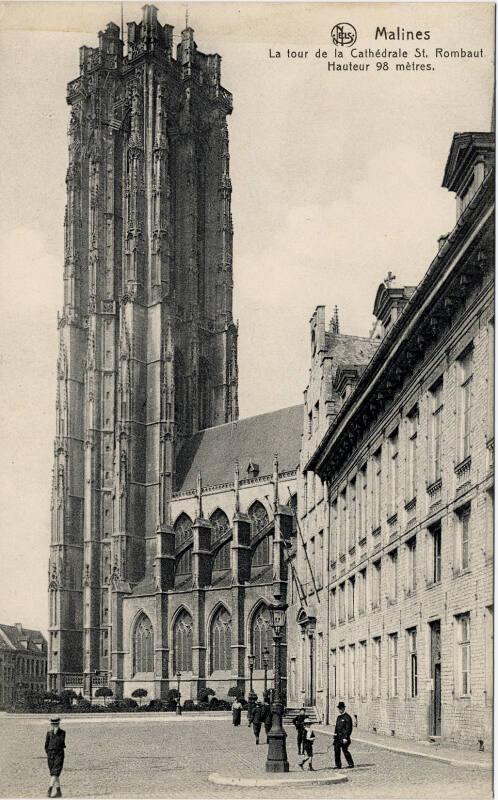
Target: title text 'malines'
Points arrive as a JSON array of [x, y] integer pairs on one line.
[[401, 34]]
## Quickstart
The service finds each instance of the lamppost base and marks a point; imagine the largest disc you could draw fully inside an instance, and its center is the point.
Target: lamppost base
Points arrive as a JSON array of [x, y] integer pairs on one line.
[[276, 760], [179, 710]]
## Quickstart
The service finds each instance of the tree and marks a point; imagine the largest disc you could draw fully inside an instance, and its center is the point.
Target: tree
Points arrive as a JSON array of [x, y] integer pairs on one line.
[[139, 693], [104, 691]]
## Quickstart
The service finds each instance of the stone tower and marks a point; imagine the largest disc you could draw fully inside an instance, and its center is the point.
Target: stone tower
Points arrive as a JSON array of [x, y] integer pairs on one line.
[[147, 343]]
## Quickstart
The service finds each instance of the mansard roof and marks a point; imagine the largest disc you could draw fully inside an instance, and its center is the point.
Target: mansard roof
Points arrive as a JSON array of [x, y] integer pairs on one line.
[[15, 637], [214, 451]]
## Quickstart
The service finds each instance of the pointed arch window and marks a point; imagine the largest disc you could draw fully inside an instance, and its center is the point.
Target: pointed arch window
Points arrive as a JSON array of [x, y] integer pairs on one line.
[[184, 563], [259, 518], [204, 394], [182, 643], [261, 637], [222, 557], [220, 524], [143, 645], [261, 554], [183, 529], [293, 507], [180, 393], [221, 641]]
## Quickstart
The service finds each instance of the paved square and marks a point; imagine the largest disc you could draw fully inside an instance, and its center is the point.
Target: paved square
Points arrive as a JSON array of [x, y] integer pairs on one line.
[[160, 755]]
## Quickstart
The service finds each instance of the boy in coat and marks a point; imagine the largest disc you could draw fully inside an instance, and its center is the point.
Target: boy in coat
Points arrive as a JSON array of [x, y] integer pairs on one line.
[[308, 739], [55, 743], [298, 723]]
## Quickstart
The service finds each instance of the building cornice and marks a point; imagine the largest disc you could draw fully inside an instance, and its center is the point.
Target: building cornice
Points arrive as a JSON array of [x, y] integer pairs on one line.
[[469, 227]]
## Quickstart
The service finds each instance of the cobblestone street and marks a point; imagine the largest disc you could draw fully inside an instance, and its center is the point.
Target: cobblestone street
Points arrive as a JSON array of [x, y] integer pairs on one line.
[[159, 755]]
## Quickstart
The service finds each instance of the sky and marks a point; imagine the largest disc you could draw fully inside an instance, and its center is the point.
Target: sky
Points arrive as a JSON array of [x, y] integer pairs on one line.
[[336, 180]]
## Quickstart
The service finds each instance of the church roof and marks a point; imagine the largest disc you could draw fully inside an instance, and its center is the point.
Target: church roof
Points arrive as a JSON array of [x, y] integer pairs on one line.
[[214, 451]]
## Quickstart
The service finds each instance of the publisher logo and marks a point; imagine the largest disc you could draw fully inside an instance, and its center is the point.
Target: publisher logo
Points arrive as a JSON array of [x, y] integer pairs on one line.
[[343, 34]]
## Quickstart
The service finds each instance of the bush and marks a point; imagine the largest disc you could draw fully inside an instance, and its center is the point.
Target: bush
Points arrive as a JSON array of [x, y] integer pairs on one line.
[[205, 693], [154, 705], [189, 705], [236, 691], [67, 697], [214, 703]]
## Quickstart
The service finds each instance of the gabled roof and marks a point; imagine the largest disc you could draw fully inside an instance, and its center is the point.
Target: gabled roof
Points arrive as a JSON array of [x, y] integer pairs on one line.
[[214, 451], [19, 638]]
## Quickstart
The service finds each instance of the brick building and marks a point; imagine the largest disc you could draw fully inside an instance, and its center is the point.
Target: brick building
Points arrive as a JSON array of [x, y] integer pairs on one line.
[[394, 558], [23, 663]]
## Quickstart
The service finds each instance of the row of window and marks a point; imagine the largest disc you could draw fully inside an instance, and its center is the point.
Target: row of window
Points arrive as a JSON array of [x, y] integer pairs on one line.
[[220, 641], [349, 598], [24, 666], [355, 673], [220, 526], [359, 505]]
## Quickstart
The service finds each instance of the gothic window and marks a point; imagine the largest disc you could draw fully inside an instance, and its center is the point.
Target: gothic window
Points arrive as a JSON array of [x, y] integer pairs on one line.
[[182, 642], [184, 563], [221, 641], [220, 524], [259, 518], [293, 507], [204, 394], [222, 557], [261, 637], [143, 646], [261, 555], [180, 391], [183, 529]]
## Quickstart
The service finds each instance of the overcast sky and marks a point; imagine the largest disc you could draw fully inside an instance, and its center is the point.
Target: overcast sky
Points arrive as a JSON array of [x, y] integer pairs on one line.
[[336, 180]]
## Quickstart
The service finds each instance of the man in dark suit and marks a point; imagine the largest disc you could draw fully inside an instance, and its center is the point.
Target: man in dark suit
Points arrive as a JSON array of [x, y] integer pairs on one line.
[[342, 737], [55, 743]]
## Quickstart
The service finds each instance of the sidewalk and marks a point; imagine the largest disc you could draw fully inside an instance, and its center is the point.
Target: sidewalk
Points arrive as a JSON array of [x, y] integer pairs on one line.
[[458, 756]]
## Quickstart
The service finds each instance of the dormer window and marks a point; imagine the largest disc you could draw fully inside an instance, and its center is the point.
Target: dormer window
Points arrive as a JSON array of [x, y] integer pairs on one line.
[[470, 160], [253, 469]]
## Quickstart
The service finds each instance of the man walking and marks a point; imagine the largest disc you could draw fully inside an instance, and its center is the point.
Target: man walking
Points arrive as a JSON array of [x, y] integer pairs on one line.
[[55, 742], [258, 717], [342, 737]]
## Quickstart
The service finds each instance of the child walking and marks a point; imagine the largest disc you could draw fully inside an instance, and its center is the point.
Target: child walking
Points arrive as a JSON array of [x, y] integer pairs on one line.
[[308, 738]]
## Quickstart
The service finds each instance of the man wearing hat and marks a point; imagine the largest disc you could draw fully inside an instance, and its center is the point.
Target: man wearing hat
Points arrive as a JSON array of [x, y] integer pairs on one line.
[[342, 737], [55, 742]]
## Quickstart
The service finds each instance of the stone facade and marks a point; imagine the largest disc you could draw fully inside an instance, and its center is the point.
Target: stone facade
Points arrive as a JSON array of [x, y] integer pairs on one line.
[[147, 370], [396, 613], [23, 663]]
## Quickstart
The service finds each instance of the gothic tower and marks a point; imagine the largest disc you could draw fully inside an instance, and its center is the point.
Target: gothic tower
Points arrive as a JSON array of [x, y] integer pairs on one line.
[[147, 343]]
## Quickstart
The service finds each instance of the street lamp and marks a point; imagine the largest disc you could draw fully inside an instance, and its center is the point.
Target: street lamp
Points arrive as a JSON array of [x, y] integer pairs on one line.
[[276, 760], [178, 699], [252, 696], [266, 664]]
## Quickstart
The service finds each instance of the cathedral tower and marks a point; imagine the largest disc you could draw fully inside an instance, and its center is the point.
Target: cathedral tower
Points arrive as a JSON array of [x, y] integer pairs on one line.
[[147, 343]]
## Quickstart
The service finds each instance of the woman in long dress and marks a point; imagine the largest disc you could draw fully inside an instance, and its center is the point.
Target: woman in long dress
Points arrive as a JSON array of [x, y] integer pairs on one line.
[[236, 711]]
